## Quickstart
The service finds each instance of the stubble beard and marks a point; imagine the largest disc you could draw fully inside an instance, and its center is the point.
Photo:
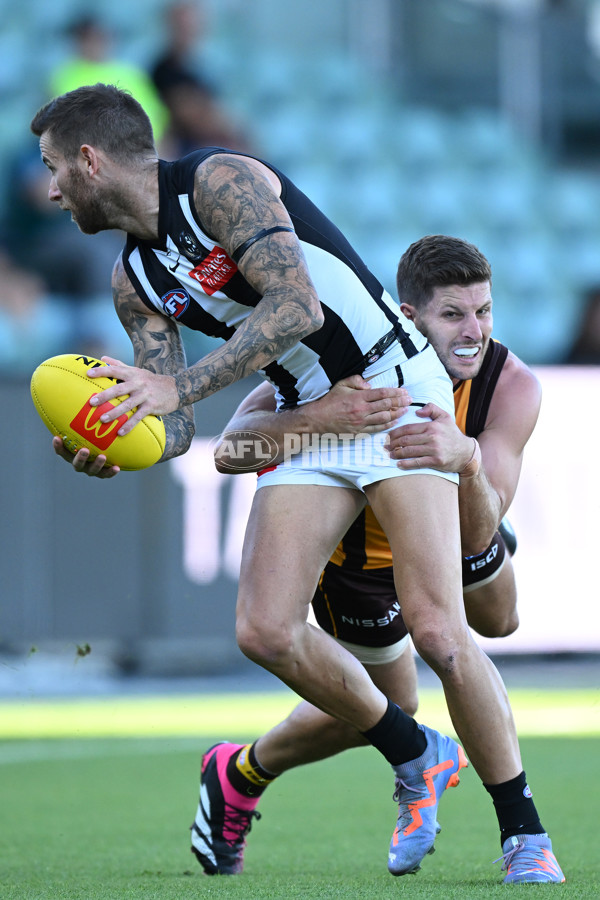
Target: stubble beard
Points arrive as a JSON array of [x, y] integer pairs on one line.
[[88, 211]]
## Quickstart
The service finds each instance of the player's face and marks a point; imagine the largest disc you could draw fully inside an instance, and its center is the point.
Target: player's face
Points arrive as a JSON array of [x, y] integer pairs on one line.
[[457, 321], [74, 190]]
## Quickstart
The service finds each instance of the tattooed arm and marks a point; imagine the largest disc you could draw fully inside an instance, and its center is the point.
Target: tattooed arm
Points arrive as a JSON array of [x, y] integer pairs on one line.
[[157, 348], [236, 198]]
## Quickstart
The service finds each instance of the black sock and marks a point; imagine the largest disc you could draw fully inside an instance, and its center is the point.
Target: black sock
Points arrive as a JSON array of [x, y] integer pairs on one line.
[[246, 775], [515, 808], [397, 736]]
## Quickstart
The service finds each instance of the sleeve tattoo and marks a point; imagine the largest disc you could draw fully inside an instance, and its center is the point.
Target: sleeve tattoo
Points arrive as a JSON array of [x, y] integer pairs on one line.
[[235, 204], [157, 346]]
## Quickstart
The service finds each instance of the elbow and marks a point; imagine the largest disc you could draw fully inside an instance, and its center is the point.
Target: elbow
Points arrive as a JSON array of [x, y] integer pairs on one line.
[[187, 442], [229, 462], [222, 466], [179, 430], [480, 544], [314, 321], [477, 546], [187, 435], [318, 319], [227, 465], [224, 461]]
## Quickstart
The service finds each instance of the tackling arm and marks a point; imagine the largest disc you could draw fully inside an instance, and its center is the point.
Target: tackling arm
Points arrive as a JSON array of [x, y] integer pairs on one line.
[[350, 407], [485, 497], [485, 490]]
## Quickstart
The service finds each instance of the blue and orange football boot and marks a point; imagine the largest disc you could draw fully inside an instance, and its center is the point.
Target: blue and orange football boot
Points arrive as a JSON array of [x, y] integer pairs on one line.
[[419, 785], [528, 859]]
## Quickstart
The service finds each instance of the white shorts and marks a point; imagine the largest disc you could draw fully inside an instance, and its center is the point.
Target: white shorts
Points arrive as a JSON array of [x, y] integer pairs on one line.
[[354, 461]]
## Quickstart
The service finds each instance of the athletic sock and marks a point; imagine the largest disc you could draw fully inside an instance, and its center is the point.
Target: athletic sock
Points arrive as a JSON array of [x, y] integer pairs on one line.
[[515, 808], [397, 736], [245, 773]]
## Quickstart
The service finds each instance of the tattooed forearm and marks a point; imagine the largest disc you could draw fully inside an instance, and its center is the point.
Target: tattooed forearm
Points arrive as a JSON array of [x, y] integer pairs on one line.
[[157, 347], [276, 325], [179, 428], [156, 341], [159, 353]]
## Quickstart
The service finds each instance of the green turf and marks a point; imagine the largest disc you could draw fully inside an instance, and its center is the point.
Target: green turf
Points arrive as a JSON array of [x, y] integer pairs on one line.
[[537, 712], [96, 818]]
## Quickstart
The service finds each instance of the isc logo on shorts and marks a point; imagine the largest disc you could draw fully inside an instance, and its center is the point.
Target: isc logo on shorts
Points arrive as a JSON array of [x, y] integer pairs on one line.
[[483, 561]]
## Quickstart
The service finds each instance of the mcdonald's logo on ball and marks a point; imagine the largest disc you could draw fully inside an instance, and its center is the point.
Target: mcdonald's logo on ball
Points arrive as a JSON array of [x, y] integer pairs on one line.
[[101, 434]]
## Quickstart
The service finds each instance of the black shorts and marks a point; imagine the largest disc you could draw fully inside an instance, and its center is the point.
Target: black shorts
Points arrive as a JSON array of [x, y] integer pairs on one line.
[[359, 606], [362, 607], [478, 570]]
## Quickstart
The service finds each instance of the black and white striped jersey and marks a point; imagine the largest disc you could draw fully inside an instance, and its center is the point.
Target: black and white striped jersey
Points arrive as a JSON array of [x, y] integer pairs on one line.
[[187, 276]]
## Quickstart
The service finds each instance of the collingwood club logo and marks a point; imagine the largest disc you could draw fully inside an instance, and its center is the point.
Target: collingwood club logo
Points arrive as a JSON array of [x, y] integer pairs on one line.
[[190, 246]]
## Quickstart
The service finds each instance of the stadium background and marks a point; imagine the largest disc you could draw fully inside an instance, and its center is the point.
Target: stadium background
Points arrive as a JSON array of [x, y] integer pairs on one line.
[[400, 118]]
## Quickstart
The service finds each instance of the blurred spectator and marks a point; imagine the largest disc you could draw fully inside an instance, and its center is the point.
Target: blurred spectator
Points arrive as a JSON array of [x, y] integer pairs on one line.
[[62, 307], [585, 349], [92, 61], [197, 118], [36, 324], [72, 269], [30, 330], [71, 263]]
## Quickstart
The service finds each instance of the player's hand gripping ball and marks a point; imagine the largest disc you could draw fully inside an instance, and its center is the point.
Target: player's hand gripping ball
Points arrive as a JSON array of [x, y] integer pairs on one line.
[[61, 390]]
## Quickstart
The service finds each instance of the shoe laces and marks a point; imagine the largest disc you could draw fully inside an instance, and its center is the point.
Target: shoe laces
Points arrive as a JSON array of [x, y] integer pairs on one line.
[[402, 785], [238, 822], [507, 857], [529, 855]]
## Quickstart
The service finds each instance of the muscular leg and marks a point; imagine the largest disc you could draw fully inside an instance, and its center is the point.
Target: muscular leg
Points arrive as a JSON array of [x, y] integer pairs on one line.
[[308, 734], [291, 533], [492, 608], [429, 581]]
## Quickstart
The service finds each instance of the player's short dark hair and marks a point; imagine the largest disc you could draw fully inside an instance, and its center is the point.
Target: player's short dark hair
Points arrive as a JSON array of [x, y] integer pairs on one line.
[[101, 115], [438, 260]]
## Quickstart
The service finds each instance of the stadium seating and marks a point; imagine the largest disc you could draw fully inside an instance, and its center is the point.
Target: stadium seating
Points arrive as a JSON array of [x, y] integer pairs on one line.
[[386, 171]]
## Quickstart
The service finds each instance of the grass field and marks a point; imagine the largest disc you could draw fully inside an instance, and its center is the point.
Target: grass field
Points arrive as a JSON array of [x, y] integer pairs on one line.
[[98, 796]]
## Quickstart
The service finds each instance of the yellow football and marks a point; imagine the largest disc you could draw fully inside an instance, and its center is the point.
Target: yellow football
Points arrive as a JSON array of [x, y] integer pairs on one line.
[[61, 391]]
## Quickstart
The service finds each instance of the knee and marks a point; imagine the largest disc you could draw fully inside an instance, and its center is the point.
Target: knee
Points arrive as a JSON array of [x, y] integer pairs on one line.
[[501, 627], [511, 624], [261, 642], [411, 704], [404, 696], [439, 648]]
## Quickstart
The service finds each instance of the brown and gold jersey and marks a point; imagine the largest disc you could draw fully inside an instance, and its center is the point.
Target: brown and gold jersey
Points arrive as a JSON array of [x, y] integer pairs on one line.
[[365, 546]]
